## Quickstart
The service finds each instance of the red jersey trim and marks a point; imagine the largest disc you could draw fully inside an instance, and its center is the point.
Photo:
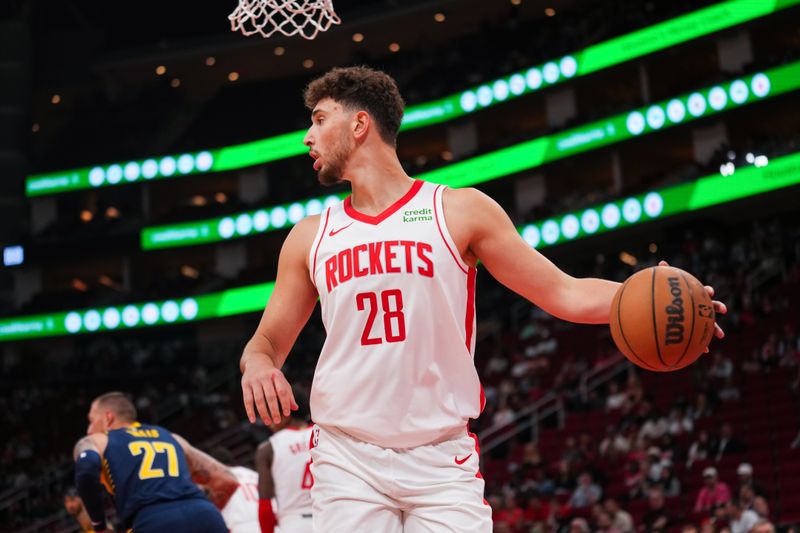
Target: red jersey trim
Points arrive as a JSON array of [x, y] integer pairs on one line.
[[439, 226], [386, 213], [319, 242], [469, 320], [478, 454]]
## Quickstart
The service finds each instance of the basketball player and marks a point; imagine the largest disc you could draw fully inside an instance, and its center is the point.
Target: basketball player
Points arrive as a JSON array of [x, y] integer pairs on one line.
[[74, 506], [146, 469], [283, 465], [393, 266]]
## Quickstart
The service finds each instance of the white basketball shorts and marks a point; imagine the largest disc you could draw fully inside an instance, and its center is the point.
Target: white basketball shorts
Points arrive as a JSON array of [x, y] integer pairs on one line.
[[362, 487]]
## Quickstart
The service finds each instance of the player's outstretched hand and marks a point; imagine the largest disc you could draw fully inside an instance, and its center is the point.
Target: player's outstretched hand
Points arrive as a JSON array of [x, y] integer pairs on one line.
[[719, 307], [265, 389]]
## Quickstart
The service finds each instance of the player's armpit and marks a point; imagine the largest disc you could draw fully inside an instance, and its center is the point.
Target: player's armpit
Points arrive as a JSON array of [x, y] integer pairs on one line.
[[482, 228]]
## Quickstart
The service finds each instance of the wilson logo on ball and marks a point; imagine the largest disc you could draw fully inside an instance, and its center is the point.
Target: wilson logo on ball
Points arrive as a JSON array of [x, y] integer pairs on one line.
[[675, 313]]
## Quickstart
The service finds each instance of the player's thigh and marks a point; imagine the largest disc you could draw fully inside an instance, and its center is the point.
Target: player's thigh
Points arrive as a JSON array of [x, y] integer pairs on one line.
[[344, 496], [444, 489]]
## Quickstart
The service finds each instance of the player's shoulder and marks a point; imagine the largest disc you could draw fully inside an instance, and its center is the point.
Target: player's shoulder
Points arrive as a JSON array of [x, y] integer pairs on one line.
[[303, 233], [96, 442], [467, 197]]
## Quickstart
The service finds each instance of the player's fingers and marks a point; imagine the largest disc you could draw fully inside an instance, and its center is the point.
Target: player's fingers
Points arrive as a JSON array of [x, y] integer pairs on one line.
[[709, 289], [247, 397], [663, 263], [719, 307], [272, 401], [261, 404], [284, 394], [718, 333]]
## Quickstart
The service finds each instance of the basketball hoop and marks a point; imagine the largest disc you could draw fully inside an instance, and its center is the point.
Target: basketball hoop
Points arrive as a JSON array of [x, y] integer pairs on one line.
[[289, 17]]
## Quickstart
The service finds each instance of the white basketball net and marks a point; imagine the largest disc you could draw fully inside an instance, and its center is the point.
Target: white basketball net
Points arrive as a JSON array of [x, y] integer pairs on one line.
[[289, 17]]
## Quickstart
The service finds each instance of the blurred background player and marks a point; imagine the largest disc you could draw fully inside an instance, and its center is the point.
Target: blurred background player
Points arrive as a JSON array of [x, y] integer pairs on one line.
[[284, 474], [74, 506], [144, 468], [240, 510]]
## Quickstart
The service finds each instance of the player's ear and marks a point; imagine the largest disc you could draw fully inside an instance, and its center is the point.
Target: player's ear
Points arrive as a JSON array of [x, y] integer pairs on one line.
[[361, 124]]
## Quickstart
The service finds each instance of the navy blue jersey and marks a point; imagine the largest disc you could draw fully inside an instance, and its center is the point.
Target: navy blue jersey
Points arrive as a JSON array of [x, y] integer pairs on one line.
[[143, 465]]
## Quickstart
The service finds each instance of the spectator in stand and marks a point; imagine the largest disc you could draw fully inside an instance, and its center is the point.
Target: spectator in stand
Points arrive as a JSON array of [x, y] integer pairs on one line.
[[614, 444], [700, 448], [571, 454], [510, 513], [564, 482], [622, 519], [765, 526], [679, 422], [745, 473], [701, 408], [657, 518], [653, 428], [721, 367], [579, 525], [740, 520], [615, 398], [752, 365], [587, 493], [729, 391], [749, 500], [669, 483], [714, 492], [634, 479], [537, 511], [604, 523], [587, 447], [727, 443]]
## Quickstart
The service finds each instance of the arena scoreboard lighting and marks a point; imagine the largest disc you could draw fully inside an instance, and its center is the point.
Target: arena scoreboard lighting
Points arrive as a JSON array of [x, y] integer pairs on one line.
[[705, 192], [501, 163], [592, 59]]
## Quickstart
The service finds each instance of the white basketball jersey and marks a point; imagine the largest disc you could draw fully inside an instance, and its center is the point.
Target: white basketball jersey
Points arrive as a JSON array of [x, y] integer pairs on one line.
[[242, 509], [398, 306], [291, 474]]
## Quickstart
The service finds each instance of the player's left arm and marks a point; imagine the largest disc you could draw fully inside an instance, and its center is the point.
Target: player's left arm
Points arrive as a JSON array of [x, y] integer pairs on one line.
[[483, 230], [266, 487], [207, 471], [88, 469]]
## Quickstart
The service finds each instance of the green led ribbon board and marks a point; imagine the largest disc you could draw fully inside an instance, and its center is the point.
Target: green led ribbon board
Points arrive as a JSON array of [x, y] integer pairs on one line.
[[495, 165], [592, 59], [705, 192]]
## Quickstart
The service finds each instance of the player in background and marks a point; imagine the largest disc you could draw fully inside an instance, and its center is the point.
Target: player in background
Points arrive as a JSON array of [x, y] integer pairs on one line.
[[74, 506], [394, 268], [240, 511], [145, 469], [284, 475]]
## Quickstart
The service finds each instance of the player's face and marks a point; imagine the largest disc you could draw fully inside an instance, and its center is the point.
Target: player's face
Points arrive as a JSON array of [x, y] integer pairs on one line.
[[73, 504], [329, 140], [97, 420]]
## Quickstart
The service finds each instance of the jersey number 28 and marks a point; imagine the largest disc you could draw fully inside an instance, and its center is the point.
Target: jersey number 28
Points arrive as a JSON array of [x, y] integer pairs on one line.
[[394, 322]]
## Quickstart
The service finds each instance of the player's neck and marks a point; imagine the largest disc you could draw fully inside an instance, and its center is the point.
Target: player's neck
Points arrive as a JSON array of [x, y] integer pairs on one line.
[[377, 179]]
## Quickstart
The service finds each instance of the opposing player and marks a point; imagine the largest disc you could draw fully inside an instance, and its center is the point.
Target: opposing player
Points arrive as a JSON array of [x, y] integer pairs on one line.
[[283, 464], [393, 266], [145, 468]]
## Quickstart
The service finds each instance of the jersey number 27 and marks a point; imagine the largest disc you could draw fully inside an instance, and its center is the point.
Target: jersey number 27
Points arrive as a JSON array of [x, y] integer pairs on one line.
[[150, 449]]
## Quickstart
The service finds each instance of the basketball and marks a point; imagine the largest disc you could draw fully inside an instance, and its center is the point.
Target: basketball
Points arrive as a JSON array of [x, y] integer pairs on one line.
[[662, 319]]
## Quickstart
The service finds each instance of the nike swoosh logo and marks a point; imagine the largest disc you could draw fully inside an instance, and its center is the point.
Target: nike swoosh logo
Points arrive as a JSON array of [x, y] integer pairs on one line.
[[462, 461], [335, 231]]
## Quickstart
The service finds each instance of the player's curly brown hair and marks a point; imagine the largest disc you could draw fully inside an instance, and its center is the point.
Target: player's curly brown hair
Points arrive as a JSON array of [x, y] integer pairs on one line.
[[362, 88]]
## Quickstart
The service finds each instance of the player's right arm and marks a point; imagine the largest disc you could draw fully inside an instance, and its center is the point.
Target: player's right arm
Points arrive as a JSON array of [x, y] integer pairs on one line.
[[266, 487], [264, 387], [210, 473], [88, 468]]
